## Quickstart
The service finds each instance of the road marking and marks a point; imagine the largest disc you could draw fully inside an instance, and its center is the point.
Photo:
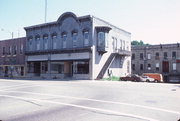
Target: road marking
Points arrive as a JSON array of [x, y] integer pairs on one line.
[[83, 107], [7, 87], [25, 86], [95, 100]]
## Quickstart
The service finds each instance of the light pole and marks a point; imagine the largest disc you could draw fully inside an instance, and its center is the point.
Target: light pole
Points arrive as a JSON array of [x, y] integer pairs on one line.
[[8, 32]]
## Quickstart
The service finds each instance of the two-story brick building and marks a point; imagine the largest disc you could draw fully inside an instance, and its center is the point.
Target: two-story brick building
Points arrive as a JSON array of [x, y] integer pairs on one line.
[[163, 58], [83, 47], [12, 58]]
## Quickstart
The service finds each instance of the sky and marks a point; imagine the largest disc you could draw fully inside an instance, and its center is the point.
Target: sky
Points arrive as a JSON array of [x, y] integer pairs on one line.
[[152, 21]]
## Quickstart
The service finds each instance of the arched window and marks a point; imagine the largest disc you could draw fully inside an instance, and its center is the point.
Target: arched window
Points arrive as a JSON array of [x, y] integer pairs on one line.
[[45, 41], [30, 39], [74, 38], [54, 40], [64, 39], [37, 38]]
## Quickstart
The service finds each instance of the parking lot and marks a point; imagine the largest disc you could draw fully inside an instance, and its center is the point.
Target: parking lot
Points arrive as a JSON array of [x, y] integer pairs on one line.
[[87, 100]]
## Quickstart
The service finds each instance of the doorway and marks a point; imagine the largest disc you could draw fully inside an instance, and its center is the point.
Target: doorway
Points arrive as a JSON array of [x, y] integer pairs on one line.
[[68, 69], [165, 66], [37, 68]]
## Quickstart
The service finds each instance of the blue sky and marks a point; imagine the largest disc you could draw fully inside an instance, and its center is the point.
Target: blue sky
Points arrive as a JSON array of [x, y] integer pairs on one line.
[[153, 21]]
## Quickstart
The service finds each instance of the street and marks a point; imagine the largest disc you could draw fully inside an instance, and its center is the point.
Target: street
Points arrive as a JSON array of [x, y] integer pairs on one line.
[[87, 100]]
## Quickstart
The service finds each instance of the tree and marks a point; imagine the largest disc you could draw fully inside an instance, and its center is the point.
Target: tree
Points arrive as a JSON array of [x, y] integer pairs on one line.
[[139, 43]]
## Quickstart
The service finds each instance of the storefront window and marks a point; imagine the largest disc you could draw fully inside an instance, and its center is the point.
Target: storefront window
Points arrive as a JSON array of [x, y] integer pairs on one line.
[[44, 67], [30, 67], [81, 67], [57, 67]]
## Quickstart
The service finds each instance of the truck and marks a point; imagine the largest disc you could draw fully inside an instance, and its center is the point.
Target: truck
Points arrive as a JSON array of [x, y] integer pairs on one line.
[[157, 77]]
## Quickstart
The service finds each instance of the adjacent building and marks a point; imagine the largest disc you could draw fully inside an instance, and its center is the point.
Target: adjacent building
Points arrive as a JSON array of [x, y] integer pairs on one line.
[[12, 58], [163, 58], [84, 47]]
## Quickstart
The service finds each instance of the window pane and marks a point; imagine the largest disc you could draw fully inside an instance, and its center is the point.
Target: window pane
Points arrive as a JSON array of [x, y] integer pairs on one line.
[[54, 38], [46, 42], [101, 39], [86, 38], [81, 67], [74, 39], [64, 40], [174, 66], [57, 67]]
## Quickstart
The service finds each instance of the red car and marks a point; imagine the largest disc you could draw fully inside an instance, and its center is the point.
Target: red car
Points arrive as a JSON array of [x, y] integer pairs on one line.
[[133, 77]]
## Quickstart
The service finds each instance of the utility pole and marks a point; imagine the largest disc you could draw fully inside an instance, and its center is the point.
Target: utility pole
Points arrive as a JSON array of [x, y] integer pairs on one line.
[[8, 32], [45, 11]]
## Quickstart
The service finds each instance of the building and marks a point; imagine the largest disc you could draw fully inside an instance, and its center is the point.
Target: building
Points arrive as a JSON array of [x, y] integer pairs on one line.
[[12, 58], [163, 58], [84, 47]]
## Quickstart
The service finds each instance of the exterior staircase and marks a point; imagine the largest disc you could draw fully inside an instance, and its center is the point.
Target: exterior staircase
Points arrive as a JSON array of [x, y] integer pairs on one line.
[[106, 65]]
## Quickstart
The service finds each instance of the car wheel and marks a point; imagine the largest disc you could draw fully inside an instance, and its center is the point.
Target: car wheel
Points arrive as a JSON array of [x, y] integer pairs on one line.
[[147, 80]]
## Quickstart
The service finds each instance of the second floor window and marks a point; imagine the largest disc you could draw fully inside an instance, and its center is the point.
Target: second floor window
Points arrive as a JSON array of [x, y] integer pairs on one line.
[[133, 56], [174, 55], [86, 38], [54, 41], [64, 39], [101, 39], [165, 55], [4, 50], [141, 67], [10, 50], [74, 37], [157, 56], [149, 56], [141, 56], [45, 42], [30, 44], [157, 66], [124, 44], [14, 50], [149, 67], [37, 42], [21, 49], [133, 67]]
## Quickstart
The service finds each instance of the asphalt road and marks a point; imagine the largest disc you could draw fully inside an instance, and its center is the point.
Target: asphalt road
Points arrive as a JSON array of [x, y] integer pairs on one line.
[[55, 100]]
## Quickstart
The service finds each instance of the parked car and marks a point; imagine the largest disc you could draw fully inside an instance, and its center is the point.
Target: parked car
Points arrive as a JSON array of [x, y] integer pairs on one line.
[[158, 77], [132, 77], [147, 79]]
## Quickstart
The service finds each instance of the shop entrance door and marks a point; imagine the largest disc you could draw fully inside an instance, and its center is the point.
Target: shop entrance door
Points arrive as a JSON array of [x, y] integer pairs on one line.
[[68, 69], [37, 68]]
